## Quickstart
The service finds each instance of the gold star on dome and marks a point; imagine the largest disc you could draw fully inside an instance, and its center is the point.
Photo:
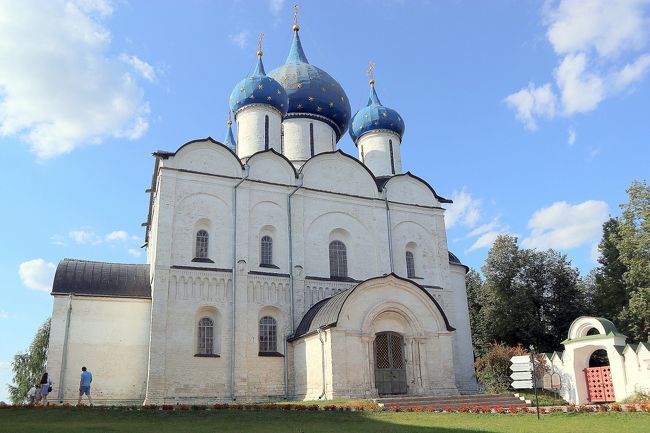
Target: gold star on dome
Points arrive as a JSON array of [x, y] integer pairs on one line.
[[238, 101], [360, 127], [281, 105], [384, 114], [311, 78], [319, 109], [353, 124], [299, 85], [299, 106], [323, 89], [331, 104], [392, 124], [241, 89], [366, 116], [261, 87], [311, 99], [268, 98], [376, 123], [342, 99], [252, 96], [278, 92], [398, 119], [334, 115]]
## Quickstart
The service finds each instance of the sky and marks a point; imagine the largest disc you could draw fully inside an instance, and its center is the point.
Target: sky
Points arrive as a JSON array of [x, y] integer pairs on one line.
[[532, 116]]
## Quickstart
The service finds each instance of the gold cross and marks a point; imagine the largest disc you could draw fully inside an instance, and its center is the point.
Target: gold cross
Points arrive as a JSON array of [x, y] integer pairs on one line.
[[371, 69], [259, 44]]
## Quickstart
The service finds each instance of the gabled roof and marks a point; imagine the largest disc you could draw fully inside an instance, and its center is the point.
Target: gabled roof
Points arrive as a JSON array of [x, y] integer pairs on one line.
[[82, 277]]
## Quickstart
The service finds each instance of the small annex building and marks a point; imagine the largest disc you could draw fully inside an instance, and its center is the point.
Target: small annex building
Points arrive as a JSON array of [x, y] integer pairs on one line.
[[277, 265], [597, 365]]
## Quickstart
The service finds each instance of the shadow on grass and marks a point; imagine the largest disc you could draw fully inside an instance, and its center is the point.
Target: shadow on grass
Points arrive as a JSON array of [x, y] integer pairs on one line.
[[222, 421]]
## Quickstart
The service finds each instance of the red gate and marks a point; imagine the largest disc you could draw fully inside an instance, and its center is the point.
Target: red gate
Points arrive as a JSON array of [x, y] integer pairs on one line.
[[599, 384]]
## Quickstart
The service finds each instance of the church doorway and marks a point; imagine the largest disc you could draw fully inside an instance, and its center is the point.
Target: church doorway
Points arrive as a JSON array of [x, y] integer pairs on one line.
[[390, 374]]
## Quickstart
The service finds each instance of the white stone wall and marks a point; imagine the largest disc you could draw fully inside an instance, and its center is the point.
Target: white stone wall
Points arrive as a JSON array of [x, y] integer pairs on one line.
[[110, 337], [297, 146], [251, 131], [374, 152], [337, 199]]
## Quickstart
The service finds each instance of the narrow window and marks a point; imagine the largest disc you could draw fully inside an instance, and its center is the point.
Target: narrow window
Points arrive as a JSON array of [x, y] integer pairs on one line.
[[268, 334], [206, 337], [311, 138], [282, 138], [333, 144], [410, 265], [266, 251], [363, 155], [392, 161], [201, 244], [338, 260], [266, 132]]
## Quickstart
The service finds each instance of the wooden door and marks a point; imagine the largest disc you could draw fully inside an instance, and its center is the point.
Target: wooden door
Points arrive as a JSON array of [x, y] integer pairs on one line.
[[599, 384], [390, 374]]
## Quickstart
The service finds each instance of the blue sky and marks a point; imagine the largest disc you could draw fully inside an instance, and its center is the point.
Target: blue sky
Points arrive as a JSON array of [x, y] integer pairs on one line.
[[532, 116]]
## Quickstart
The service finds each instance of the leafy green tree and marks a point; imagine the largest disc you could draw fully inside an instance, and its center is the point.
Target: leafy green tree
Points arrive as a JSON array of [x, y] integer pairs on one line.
[[29, 366], [610, 292], [474, 284]]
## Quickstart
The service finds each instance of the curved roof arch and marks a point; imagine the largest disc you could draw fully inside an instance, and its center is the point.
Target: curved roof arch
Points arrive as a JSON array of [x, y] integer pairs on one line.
[[165, 154], [325, 313], [348, 158], [274, 152], [410, 175]]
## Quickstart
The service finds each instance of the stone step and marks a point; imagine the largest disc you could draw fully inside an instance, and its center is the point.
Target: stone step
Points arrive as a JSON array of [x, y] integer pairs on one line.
[[454, 401]]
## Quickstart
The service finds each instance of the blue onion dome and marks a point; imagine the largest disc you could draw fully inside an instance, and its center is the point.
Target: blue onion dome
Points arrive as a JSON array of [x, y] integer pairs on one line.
[[259, 89], [230, 138], [312, 92], [375, 116]]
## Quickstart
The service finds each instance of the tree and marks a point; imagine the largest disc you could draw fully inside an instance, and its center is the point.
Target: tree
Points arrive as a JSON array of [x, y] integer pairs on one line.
[[610, 291], [633, 243], [474, 284], [29, 366], [528, 297]]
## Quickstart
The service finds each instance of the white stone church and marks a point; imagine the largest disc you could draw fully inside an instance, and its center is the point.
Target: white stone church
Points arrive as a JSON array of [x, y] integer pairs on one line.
[[277, 265]]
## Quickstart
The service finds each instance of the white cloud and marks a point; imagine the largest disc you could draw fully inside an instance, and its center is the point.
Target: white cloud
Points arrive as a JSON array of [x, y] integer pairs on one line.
[[484, 241], [4, 314], [240, 39], [61, 89], [84, 236], [37, 274], [581, 90], [484, 228], [563, 226], [464, 210], [134, 252], [276, 6], [143, 68], [117, 235], [572, 136], [592, 39], [631, 73], [531, 103], [606, 26]]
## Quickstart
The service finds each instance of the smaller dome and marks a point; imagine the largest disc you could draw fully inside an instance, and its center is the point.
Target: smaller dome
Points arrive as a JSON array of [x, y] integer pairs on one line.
[[230, 138], [259, 89], [375, 116]]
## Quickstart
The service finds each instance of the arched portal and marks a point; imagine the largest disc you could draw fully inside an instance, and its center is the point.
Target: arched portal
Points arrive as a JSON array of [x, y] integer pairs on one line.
[[599, 378], [390, 371]]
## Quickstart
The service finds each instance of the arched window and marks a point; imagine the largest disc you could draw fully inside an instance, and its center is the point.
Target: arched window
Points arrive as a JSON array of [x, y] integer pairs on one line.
[[392, 160], [268, 334], [338, 260], [410, 265], [201, 244], [311, 138], [266, 132], [266, 251], [206, 337]]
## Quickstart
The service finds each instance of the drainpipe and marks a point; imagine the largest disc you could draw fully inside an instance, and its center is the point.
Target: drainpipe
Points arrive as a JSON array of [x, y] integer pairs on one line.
[[64, 355], [322, 359], [291, 250], [390, 237], [234, 280], [286, 371]]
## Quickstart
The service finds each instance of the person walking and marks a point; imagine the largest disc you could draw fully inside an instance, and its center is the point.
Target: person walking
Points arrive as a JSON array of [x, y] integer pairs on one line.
[[46, 388], [84, 385], [31, 395]]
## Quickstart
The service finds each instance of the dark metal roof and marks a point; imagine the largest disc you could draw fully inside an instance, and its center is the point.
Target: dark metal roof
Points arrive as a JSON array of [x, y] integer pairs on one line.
[[325, 313], [81, 277], [453, 258]]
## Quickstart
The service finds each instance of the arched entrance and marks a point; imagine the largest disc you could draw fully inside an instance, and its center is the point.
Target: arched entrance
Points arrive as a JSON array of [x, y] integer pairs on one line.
[[390, 371], [599, 378]]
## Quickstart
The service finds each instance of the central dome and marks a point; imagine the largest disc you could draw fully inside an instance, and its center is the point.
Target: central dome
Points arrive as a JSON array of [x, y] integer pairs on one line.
[[312, 92]]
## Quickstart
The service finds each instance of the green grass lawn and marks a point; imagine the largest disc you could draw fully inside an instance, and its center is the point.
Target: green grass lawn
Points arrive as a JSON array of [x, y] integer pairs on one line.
[[230, 421]]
